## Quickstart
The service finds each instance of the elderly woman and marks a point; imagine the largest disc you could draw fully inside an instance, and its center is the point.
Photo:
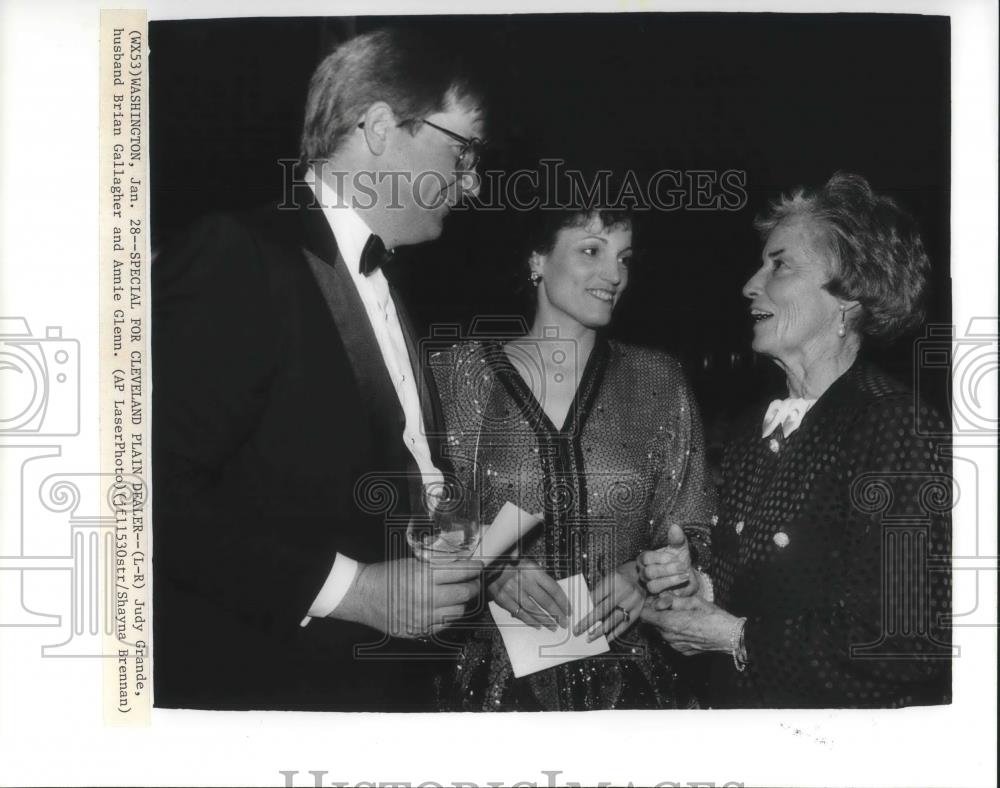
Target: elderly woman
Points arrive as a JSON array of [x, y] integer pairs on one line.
[[600, 437], [831, 554]]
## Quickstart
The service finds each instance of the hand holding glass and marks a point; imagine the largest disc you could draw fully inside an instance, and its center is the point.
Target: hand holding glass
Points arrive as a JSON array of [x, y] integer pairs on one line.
[[446, 525]]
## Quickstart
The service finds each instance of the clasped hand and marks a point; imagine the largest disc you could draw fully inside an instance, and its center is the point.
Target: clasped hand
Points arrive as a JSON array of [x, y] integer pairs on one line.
[[691, 625], [669, 568]]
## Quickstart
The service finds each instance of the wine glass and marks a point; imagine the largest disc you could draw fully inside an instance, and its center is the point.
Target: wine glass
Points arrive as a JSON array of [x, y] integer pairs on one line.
[[445, 526]]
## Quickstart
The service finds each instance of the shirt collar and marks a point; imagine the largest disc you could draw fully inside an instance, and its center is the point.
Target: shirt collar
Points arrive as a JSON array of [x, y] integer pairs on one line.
[[349, 229]]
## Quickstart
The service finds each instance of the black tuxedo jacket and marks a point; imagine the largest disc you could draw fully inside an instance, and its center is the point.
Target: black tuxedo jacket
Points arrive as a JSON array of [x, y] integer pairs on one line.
[[270, 402]]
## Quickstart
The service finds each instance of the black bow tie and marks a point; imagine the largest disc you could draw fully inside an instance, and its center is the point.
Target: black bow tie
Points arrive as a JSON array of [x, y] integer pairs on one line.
[[374, 255]]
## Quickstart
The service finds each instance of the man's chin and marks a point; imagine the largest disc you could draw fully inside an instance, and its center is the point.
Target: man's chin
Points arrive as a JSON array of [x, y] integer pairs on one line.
[[433, 228], [430, 228]]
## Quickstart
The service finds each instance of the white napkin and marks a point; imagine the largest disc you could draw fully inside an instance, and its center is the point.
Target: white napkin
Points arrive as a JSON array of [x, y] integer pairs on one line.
[[531, 650]]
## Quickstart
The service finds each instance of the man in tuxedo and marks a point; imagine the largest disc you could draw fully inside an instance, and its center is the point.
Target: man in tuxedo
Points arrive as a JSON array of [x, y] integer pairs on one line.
[[290, 412]]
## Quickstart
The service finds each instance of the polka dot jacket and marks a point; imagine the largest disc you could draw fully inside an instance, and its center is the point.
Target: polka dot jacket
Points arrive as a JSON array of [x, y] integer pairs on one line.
[[835, 545]]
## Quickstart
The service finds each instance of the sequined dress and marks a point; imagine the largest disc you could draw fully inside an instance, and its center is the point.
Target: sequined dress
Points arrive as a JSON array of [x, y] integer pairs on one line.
[[628, 462], [835, 544]]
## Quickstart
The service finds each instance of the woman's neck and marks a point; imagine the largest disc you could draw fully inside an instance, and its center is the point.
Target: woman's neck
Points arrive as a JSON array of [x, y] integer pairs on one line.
[[810, 377], [575, 340]]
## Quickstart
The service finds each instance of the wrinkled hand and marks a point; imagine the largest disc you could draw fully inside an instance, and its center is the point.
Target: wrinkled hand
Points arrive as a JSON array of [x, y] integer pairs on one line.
[[689, 624], [410, 598], [531, 595], [617, 599], [669, 568]]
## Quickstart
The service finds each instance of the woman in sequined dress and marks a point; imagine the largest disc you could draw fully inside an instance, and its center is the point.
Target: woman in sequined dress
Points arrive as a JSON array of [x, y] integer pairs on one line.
[[604, 440], [832, 552]]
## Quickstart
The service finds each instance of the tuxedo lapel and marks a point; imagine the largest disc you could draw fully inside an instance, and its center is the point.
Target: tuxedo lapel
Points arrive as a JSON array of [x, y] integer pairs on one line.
[[349, 315]]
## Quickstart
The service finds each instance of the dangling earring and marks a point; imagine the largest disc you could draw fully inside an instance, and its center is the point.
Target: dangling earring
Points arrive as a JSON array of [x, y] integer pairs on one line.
[[534, 277], [842, 328]]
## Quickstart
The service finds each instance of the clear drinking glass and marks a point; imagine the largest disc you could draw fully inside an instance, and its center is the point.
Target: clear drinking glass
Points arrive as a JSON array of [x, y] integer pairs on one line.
[[445, 526]]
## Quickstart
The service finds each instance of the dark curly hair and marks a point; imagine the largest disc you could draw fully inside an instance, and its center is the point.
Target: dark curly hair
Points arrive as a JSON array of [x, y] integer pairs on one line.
[[543, 228], [875, 245]]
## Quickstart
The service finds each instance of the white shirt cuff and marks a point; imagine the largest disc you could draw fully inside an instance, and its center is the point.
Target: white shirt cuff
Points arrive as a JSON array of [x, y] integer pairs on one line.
[[334, 589]]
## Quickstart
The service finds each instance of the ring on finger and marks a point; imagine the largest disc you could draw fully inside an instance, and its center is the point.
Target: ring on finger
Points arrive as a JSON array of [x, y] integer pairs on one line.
[[517, 611], [628, 616]]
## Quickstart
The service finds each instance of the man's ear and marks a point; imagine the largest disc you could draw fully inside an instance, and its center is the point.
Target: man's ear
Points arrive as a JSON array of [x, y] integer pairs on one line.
[[378, 123]]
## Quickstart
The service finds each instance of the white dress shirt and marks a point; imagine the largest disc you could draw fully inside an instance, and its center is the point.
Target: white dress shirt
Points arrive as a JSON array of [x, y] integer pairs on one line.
[[351, 234]]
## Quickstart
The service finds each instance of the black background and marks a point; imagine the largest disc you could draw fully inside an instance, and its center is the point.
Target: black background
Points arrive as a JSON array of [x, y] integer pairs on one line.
[[787, 98]]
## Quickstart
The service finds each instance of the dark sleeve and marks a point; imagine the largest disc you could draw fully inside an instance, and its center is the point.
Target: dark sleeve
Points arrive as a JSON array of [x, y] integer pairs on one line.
[[684, 493], [883, 639], [218, 337]]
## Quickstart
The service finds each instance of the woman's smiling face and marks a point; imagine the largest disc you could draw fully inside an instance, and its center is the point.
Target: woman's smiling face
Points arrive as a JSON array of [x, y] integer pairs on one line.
[[585, 274]]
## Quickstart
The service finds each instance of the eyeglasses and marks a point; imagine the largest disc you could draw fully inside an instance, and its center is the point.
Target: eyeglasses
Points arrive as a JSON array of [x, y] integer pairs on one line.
[[468, 155], [471, 151]]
